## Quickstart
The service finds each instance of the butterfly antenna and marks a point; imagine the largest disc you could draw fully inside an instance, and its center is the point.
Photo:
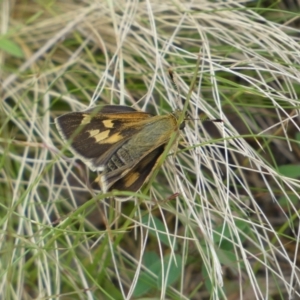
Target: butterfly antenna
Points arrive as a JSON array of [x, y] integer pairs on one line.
[[205, 118], [171, 74]]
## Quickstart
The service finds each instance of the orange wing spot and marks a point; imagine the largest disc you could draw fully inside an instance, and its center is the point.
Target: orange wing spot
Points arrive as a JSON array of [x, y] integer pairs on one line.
[[113, 138], [99, 136], [86, 119], [131, 178], [108, 123]]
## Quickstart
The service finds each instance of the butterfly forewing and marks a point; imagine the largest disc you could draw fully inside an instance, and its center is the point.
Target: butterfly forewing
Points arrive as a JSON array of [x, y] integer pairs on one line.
[[96, 133]]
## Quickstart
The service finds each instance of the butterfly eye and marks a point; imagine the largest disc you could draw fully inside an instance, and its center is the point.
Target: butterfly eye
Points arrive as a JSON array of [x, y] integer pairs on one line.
[[182, 125]]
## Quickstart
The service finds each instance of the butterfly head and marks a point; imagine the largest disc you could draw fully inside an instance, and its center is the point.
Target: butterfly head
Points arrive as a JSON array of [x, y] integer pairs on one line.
[[178, 116]]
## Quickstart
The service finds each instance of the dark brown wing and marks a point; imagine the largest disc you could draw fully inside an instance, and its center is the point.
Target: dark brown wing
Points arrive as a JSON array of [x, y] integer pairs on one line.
[[94, 135]]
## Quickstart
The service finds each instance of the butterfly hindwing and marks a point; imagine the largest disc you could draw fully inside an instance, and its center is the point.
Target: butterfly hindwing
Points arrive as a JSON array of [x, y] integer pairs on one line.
[[131, 179]]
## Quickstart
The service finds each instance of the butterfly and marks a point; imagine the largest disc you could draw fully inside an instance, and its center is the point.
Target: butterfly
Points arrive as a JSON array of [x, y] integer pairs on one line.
[[123, 144]]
